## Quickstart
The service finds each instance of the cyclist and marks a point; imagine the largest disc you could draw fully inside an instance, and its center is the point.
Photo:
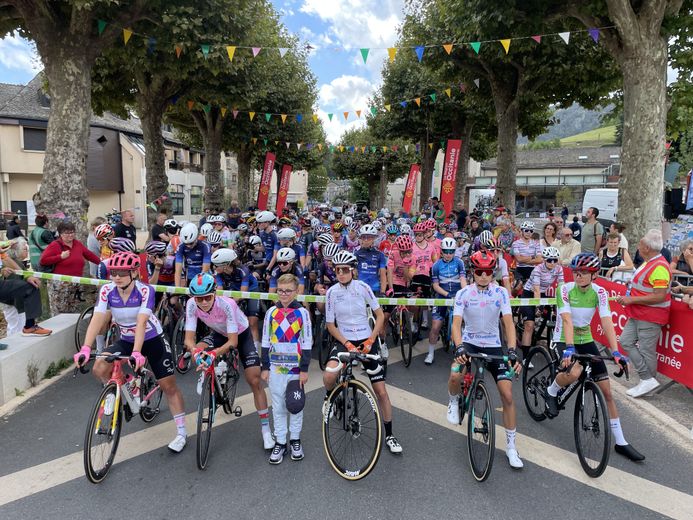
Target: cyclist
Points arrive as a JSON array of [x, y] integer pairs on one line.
[[214, 240], [346, 303], [192, 253], [351, 240], [447, 276], [286, 237], [482, 306], [104, 234], [231, 276], [228, 329], [425, 254], [269, 238], [286, 263], [542, 278], [129, 303], [576, 304], [160, 266], [172, 228], [326, 277], [386, 245], [255, 256], [502, 275], [400, 267], [372, 264]]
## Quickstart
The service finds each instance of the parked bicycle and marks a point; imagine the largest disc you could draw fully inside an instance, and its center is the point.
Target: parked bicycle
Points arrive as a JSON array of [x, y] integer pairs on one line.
[[401, 332]]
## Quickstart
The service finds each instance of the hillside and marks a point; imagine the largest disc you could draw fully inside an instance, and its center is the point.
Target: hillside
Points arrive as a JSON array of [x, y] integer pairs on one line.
[[571, 121], [596, 137]]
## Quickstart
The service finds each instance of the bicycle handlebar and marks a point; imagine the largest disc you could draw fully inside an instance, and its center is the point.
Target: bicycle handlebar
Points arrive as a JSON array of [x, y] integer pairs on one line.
[[622, 362], [489, 357], [347, 357], [110, 358]]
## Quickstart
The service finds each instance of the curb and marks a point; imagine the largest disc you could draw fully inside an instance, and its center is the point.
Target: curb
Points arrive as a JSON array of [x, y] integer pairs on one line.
[[653, 412], [11, 406]]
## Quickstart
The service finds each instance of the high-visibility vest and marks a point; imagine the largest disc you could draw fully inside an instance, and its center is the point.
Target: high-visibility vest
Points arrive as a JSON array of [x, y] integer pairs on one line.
[[640, 286]]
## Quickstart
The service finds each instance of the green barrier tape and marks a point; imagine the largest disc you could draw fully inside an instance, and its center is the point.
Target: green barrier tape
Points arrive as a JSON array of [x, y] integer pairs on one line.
[[427, 302]]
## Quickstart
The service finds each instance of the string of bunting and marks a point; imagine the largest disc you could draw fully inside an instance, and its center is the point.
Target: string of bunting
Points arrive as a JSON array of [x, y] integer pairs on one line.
[[332, 148]]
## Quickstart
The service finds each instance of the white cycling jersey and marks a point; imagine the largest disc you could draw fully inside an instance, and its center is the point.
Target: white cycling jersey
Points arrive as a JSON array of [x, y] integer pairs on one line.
[[348, 307], [224, 317], [481, 311]]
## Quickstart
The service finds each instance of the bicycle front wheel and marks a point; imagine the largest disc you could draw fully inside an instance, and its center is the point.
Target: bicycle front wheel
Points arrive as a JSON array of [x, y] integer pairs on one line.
[[82, 326], [538, 373], [205, 420], [178, 344], [481, 432], [151, 394], [103, 434], [592, 430], [232, 377], [352, 431], [406, 338]]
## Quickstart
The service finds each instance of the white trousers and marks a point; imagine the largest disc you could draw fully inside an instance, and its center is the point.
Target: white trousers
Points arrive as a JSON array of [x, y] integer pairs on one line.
[[15, 320], [277, 387]]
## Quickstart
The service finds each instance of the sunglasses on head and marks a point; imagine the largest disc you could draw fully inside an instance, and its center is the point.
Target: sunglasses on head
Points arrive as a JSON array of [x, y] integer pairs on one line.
[[342, 270], [206, 298], [486, 272]]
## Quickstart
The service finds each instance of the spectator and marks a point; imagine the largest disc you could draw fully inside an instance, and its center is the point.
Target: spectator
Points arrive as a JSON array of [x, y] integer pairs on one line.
[[23, 295], [126, 228], [576, 228], [67, 256], [615, 259], [638, 259], [461, 216], [159, 233], [567, 245], [506, 236], [93, 244], [683, 263], [13, 229], [548, 235], [39, 238], [618, 227], [564, 213], [233, 215], [592, 233], [203, 220], [647, 308]]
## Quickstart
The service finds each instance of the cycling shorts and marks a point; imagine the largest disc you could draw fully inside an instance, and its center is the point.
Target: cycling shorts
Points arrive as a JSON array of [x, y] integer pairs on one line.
[[398, 291], [529, 312], [599, 371], [367, 365], [246, 346], [523, 273], [497, 368], [439, 312], [250, 307], [157, 351], [424, 282]]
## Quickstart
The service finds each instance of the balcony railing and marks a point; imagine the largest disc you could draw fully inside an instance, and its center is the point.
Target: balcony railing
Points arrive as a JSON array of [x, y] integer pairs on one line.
[[179, 165]]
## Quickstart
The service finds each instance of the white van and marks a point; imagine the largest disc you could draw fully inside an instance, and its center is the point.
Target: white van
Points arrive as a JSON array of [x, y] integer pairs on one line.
[[605, 200]]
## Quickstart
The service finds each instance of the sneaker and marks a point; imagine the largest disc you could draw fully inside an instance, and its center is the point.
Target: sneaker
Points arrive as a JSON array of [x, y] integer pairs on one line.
[[514, 458], [454, 410], [296, 449], [267, 440], [200, 380], [644, 387], [551, 406], [429, 359], [278, 453], [36, 331], [414, 329], [177, 444], [393, 444], [109, 404]]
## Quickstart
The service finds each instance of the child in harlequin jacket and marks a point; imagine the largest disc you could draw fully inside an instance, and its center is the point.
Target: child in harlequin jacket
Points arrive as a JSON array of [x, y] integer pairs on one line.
[[286, 353]]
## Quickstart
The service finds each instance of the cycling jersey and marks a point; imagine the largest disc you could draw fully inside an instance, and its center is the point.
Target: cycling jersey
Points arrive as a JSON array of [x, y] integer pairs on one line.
[[386, 247], [240, 277], [399, 265], [296, 270], [102, 270], [369, 263], [544, 277], [224, 317], [581, 306], [424, 258], [255, 258], [326, 275], [125, 313], [349, 244], [193, 258], [448, 274], [268, 241], [347, 306], [166, 272], [298, 249], [105, 252], [525, 248], [481, 311], [463, 251], [287, 339]]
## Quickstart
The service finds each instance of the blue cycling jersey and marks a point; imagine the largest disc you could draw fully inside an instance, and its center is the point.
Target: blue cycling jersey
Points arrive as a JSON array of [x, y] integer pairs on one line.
[[269, 240], [448, 274], [298, 249], [277, 272], [369, 263], [241, 277], [193, 258]]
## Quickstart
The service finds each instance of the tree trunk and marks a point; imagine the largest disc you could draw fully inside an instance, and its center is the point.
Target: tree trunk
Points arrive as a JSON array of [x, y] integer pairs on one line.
[[64, 185], [428, 161], [373, 184], [507, 112], [463, 163], [382, 191], [151, 108], [244, 156], [211, 127]]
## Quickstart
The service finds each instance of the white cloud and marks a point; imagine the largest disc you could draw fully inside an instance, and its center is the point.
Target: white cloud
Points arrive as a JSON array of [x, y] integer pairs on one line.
[[342, 94], [17, 53]]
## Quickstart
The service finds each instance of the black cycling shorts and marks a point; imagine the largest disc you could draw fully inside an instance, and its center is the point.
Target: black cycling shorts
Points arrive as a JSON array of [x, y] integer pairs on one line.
[[529, 312], [157, 351], [251, 307], [246, 346], [367, 365], [423, 281], [497, 368], [599, 371], [398, 291]]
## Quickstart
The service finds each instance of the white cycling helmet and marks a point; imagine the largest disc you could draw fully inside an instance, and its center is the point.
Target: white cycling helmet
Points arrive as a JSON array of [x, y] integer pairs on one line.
[[485, 237], [325, 239], [551, 253], [223, 256], [448, 243], [206, 229], [405, 229], [330, 250], [344, 258], [170, 223], [214, 238], [347, 220], [286, 254], [189, 233], [377, 224], [254, 240], [286, 234], [217, 218], [528, 225], [265, 216], [368, 229], [314, 222], [243, 228]]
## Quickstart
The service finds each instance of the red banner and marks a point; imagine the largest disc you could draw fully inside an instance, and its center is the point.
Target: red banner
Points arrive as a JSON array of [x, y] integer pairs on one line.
[[447, 186], [410, 187], [263, 193], [283, 188]]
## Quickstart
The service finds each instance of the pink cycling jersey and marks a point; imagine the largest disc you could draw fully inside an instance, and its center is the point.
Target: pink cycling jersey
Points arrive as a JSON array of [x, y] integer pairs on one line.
[[424, 258], [224, 317], [399, 265]]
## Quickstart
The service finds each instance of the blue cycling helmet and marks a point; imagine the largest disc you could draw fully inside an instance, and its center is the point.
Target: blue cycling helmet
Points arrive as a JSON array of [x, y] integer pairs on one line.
[[202, 284], [585, 262], [392, 229]]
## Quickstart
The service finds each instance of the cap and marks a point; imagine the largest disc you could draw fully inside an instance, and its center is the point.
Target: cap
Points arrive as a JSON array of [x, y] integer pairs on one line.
[[295, 396]]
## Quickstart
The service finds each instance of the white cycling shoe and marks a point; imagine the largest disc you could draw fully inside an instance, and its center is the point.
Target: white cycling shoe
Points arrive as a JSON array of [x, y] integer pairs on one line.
[[514, 458], [177, 444], [429, 359]]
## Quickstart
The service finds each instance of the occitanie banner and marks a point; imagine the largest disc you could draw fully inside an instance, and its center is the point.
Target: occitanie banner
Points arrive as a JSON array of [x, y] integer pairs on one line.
[[263, 193], [410, 187], [447, 186], [283, 188]]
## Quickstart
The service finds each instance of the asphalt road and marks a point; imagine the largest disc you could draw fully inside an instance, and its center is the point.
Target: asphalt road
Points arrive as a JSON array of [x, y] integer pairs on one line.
[[41, 472]]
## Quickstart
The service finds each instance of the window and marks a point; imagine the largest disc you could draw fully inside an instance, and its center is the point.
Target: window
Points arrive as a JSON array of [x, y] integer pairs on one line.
[[196, 200], [35, 139], [177, 198]]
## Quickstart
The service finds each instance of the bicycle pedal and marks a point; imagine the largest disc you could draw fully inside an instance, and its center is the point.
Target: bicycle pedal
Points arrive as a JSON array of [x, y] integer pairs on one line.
[[238, 411]]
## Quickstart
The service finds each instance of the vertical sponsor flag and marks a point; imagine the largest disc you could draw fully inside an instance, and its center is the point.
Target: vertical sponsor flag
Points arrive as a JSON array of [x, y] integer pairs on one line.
[[410, 187], [263, 194], [447, 187], [283, 188]]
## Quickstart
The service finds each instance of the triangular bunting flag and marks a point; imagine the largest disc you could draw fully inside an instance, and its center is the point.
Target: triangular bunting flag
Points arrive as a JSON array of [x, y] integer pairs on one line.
[[191, 104], [101, 26], [207, 108], [287, 145], [447, 47], [127, 33], [388, 107], [442, 145], [476, 46], [283, 116], [223, 111], [205, 50], [419, 52], [179, 50], [265, 141], [282, 51], [276, 143], [448, 92], [374, 110], [463, 87], [235, 113], [373, 149], [254, 140], [418, 101], [506, 44], [363, 149], [352, 148], [384, 148], [315, 118], [406, 147], [476, 82], [256, 51], [341, 148], [594, 33], [358, 114], [433, 97], [320, 146], [403, 103], [430, 146], [364, 54], [299, 118], [537, 39], [346, 116], [329, 116], [395, 148], [391, 52], [268, 116], [565, 36], [231, 50], [251, 115]]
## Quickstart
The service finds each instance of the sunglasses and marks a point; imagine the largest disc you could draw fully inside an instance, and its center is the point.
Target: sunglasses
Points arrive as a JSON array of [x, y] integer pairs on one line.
[[485, 272], [342, 270], [404, 253], [418, 233], [284, 264], [207, 298], [526, 230], [448, 251], [120, 274], [551, 261], [285, 292]]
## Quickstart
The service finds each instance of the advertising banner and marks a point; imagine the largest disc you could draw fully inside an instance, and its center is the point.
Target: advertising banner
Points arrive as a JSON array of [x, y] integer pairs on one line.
[[447, 186], [283, 188], [263, 192], [410, 187]]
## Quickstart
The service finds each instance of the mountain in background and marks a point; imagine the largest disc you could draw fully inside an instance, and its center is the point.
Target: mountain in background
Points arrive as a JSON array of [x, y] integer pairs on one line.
[[571, 121]]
